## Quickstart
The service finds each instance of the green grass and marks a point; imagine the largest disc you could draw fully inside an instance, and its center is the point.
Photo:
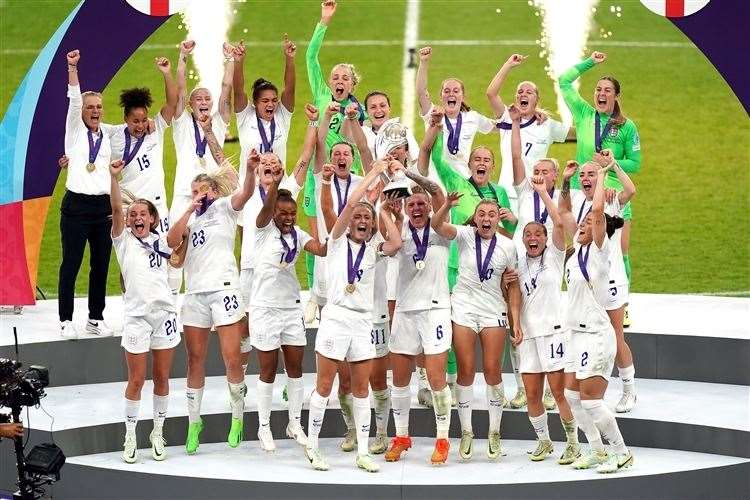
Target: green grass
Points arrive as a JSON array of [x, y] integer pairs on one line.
[[690, 232]]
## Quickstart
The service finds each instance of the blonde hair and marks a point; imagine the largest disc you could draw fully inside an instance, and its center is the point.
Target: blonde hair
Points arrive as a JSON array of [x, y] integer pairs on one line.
[[552, 161], [352, 71], [223, 181], [91, 93]]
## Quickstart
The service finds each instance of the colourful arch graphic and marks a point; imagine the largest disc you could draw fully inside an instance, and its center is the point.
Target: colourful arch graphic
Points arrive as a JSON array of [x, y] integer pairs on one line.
[[32, 130]]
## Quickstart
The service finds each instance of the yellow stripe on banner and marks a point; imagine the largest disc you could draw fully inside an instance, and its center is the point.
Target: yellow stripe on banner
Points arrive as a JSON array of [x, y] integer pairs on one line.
[[34, 215]]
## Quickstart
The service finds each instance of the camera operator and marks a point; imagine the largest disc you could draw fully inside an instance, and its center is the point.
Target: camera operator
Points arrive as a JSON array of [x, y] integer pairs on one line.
[[11, 430]]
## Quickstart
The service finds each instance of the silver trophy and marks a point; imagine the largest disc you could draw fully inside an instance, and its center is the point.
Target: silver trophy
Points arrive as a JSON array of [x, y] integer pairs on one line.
[[391, 135]]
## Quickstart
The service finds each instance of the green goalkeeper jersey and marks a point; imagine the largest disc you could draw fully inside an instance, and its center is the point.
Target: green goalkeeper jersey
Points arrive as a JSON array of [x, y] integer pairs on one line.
[[623, 140]]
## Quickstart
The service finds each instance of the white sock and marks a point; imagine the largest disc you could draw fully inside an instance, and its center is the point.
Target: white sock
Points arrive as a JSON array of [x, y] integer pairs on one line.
[[160, 411], [627, 375], [539, 423], [174, 278], [584, 420], [401, 404], [606, 422], [244, 370], [345, 401], [571, 430], [465, 397], [315, 418], [295, 391], [237, 399], [131, 415], [451, 378], [515, 363], [441, 405], [382, 406], [194, 399], [495, 395], [265, 394], [362, 423], [422, 378]]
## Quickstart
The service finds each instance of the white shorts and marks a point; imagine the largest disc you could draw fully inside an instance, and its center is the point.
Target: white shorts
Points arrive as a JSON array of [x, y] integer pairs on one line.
[[544, 354], [618, 296], [391, 278], [415, 332], [379, 336], [211, 309], [319, 288], [568, 358], [161, 206], [246, 286], [478, 322], [155, 330], [274, 327], [594, 353], [344, 335]]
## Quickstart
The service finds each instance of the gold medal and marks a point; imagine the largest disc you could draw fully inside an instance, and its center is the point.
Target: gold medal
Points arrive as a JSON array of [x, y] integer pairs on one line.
[[350, 288], [202, 161], [419, 265], [90, 167]]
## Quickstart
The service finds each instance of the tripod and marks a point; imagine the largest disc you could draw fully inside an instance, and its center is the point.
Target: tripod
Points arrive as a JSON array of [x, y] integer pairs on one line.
[[25, 486]]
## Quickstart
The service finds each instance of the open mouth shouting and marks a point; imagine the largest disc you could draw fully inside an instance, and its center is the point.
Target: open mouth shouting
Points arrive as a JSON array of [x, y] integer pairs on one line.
[[342, 168], [601, 103], [139, 226], [523, 104], [586, 184], [338, 91], [362, 230]]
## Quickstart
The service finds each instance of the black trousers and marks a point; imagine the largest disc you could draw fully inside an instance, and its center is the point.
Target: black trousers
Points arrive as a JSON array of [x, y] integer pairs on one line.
[[84, 218]]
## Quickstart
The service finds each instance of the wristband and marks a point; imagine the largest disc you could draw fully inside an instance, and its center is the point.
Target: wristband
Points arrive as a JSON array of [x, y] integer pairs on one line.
[[313, 123], [228, 59], [325, 183]]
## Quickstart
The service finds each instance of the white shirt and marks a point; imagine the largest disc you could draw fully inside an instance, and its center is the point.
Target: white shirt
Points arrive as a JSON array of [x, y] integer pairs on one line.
[[617, 274], [471, 123], [535, 142], [380, 312], [188, 164], [370, 135], [426, 289], [540, 279], [249, 215], [249, 133], [276, 285], [144, 175], [79, 179], [144, 272], [526, 195], [587, 299], [210, 264], [360, 301], [483, 298], [579, 205]]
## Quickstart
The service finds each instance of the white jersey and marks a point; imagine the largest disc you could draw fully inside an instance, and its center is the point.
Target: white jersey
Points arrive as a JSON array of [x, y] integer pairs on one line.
[[345, 188], [536, 139], [144, 272], [249, 215], [144, 175], [210, 264], [587, 298], [617, 274], [420, 290], [248, 129], [337, 277], [380, 293], [579, 205], [540, 279], [531, 208], [188, 163], [483, 298], [79, 179], [471, 123], [371, 134], [275, 282]]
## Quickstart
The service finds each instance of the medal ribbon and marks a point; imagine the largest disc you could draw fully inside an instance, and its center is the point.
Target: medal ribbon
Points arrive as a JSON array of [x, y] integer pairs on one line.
[[153, 248], [583, 261], [94, 146], [342, 203], [200, 145], [289, 253], [600, 135], [127, 155], [580, 212], [266, 146], [542, 218], [421, 245], [453, 134], [484, 265], [352, 269], [508, 126]]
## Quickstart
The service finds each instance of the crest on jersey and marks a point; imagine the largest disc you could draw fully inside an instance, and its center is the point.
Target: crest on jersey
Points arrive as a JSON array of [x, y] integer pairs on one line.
[[159, 7], [675, 8]]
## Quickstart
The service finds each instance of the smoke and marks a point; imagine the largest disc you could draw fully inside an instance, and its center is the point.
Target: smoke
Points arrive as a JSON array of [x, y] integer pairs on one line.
[[565, 30], [208, 25]]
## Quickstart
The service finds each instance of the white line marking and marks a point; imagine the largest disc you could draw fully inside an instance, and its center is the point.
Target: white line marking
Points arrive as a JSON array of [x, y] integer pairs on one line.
[[737, 293], [408, 78], [388, 43]]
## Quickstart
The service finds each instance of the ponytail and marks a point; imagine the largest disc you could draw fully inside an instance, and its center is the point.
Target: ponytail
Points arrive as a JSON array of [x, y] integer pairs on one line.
[[223, 180]]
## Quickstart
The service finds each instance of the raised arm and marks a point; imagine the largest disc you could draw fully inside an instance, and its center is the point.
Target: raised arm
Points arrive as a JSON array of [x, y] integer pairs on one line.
[[213, 144], [572, 98], [225, 99], [240, 197], [430, 187], [358, 136], [73, 57], [186, 47], [326, 197], [115, 198], [393, 240], [422, 94], [439, 221], [238, 78], [73, 119], [171, 91], [564, 203], [519, 169], [315, 77], [428, 141], [628, 188], [355, 197], [179, 229], [266, 212], [493, 89], [308, 147], [558, 234], [332, 108], [599, 229], [290, 74]]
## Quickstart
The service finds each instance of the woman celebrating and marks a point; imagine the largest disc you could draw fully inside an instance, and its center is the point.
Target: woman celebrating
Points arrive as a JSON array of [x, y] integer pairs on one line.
[[190, 140], [461, 122], [213, 298], [142, 152], [276, 313], [537, 131], [378, 106], [581, 201], [346, 323], [603, 126], [593, 338], [85, 209], [479, 310], [150, 320]]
